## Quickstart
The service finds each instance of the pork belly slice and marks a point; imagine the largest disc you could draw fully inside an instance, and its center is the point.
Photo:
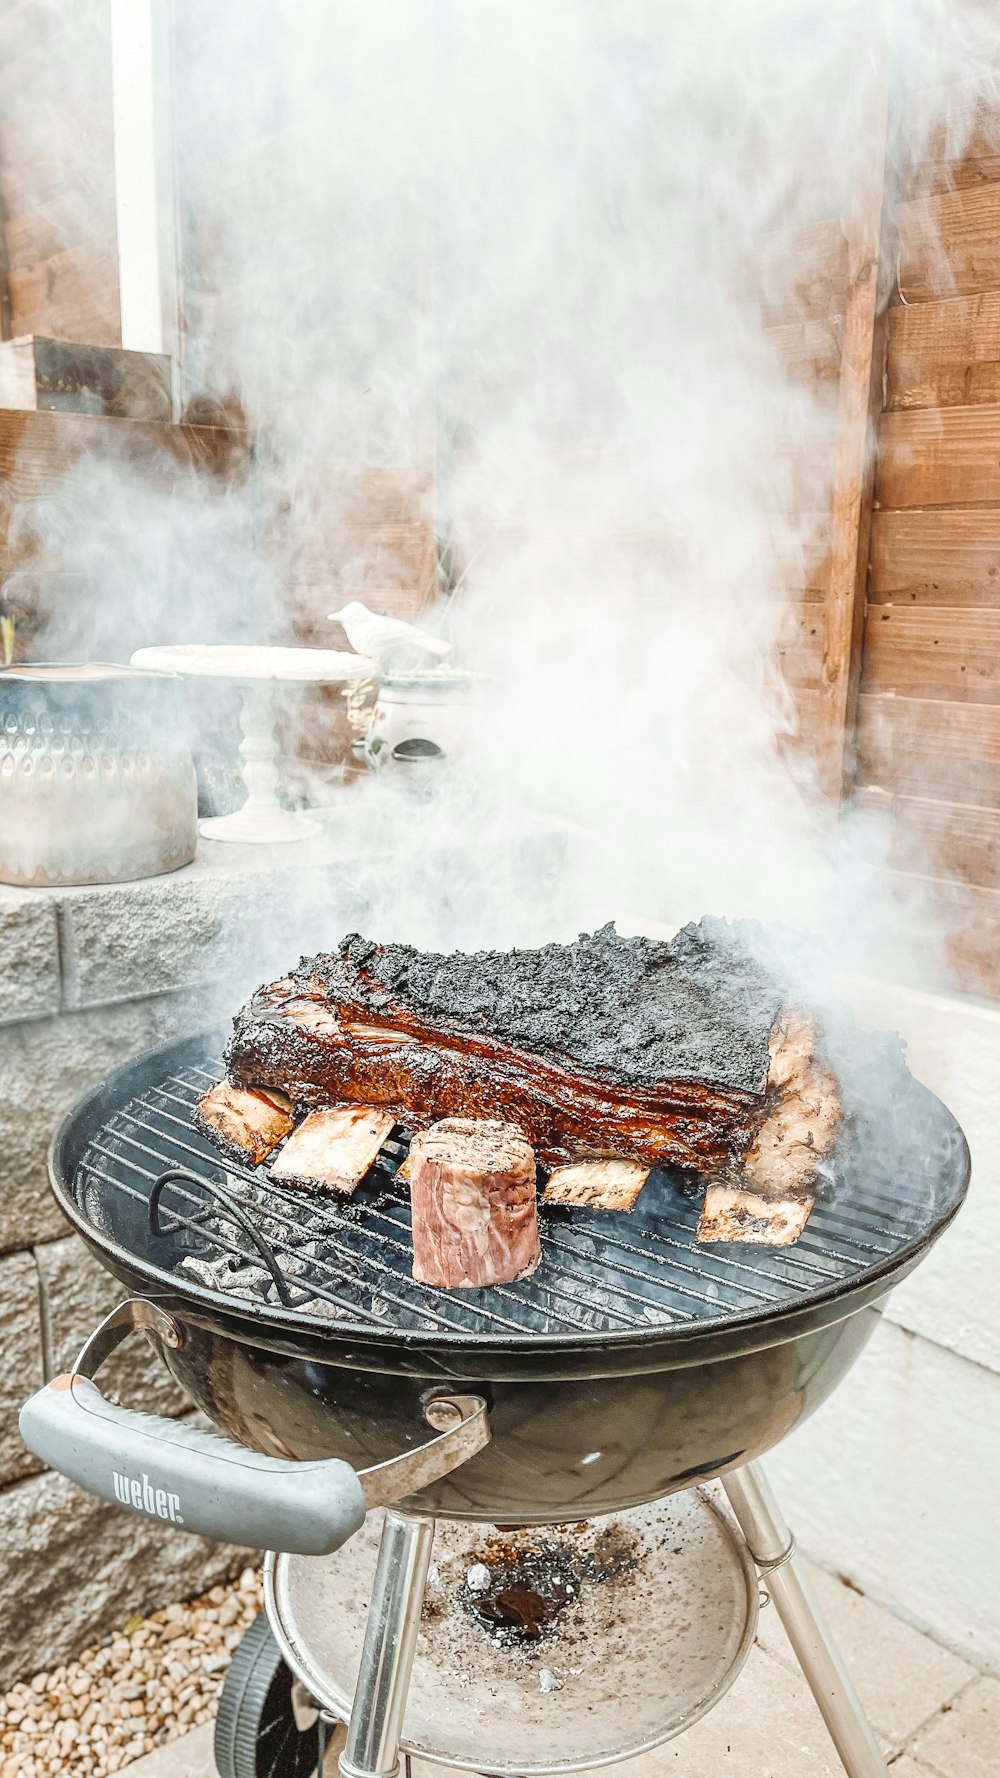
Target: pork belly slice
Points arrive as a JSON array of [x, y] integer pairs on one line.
[[602, 1185], [245, 1123], [771, 1190], [730, 1214], [801, 1125], [475, 1218], [334, 1148]]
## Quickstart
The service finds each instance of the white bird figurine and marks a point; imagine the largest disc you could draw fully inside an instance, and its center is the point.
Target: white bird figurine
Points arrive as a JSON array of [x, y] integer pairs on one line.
[[388, 640]]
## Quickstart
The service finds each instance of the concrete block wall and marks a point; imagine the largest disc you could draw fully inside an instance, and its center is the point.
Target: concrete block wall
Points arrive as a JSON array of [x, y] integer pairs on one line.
[[89, 978]]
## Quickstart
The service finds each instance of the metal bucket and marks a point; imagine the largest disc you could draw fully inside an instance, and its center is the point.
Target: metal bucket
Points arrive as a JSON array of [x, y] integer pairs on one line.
[[97, 783]]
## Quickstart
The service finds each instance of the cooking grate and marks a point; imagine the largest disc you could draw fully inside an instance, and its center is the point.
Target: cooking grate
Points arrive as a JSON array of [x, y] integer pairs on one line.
[[348, 1261]]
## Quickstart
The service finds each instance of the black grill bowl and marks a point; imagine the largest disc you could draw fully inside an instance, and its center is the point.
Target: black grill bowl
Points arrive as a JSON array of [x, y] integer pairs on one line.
[[632, 1364]]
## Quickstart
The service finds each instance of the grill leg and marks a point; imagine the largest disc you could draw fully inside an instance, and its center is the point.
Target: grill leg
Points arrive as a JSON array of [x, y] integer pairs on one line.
[[772, 1547], [372, 1746]]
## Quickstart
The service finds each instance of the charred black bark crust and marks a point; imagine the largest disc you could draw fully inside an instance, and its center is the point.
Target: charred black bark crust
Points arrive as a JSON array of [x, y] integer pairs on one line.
[[631, 1010]]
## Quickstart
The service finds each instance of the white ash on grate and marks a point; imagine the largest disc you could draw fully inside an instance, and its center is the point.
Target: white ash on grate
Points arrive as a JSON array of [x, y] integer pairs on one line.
[[254, 1282], [246, 1280], [155, 1679]]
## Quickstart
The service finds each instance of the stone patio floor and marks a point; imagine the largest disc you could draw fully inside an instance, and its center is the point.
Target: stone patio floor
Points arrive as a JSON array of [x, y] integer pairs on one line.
[[935, 1715]]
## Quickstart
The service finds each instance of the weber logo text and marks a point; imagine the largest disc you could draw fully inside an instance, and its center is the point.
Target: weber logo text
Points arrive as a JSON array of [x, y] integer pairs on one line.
[[157, 1502]]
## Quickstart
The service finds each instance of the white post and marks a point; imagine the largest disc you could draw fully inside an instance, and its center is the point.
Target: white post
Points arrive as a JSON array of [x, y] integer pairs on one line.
[[148, 253]]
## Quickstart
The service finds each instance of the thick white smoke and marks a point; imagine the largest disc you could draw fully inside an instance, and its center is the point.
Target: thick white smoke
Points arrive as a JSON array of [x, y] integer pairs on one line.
[[538, 254]]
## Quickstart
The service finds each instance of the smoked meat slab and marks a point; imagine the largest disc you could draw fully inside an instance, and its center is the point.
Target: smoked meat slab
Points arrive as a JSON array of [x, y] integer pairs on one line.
[[632, 1047]]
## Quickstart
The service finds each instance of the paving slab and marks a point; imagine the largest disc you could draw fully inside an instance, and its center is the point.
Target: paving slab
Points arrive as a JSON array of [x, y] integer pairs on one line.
[[767, 1726], [964, 1742], [902, 1676], [188, 1757], [864, 1486]]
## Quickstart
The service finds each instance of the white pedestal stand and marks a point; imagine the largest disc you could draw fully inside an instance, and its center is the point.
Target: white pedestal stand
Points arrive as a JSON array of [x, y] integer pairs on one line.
[[261, 820]]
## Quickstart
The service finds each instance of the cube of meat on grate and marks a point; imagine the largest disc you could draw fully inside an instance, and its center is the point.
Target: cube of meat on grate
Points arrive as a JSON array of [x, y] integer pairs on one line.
[[472, 1189]]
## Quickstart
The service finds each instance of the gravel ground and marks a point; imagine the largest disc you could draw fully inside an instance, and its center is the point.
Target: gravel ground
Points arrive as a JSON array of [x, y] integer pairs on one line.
[[153, 1680]]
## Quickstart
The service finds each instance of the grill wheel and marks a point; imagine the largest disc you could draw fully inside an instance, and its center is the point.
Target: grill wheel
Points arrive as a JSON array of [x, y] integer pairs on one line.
[[256, 1735]]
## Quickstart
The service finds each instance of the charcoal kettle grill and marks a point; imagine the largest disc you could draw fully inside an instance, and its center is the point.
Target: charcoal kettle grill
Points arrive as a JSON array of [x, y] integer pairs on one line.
[[585, 1408]]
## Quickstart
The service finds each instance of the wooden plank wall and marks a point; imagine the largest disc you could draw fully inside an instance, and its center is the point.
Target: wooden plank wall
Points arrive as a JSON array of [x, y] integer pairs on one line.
[[822, 331], [859, 398], [47, 595], [928, 734], [57, 172]]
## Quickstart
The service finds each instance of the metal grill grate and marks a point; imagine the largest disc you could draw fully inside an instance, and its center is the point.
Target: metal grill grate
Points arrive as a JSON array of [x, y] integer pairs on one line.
[[348, 1261]]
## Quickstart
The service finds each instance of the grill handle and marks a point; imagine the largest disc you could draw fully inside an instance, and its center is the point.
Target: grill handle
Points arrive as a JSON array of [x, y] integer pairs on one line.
[[203, 1482]]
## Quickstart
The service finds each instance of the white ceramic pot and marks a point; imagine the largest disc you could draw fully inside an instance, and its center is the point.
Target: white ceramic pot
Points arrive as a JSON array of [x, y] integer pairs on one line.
[[420, 715]]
